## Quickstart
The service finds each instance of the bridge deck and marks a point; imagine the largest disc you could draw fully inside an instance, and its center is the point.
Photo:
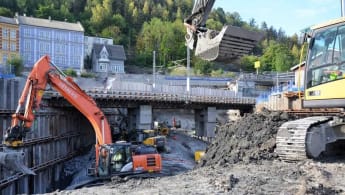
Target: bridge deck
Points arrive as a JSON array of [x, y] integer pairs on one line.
[[116, 98]]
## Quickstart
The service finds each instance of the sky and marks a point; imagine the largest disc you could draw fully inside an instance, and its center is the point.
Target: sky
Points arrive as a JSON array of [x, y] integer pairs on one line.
[[291, 15]]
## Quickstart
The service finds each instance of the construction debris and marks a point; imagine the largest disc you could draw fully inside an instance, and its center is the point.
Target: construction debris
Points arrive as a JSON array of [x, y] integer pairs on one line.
[[248, 140]]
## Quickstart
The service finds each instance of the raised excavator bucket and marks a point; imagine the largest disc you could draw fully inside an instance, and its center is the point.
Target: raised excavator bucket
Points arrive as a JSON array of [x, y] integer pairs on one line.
[[13, 160], [230, 43]]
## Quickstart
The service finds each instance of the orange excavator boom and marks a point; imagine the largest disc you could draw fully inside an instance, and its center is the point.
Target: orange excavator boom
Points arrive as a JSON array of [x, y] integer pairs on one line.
[[44, 72]]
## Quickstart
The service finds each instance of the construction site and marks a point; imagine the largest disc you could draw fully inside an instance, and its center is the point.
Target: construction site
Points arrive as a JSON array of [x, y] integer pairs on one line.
[[64, 135]]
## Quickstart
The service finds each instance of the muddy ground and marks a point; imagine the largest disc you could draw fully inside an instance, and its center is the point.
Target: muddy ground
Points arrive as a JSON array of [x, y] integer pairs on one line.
[[240, 160]]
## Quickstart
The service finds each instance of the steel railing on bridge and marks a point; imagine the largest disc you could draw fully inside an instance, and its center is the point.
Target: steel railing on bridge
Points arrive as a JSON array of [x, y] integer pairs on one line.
[[142, 91]]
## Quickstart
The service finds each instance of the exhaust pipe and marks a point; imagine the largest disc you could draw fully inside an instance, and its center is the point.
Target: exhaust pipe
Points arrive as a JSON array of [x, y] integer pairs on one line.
[[13, 160]]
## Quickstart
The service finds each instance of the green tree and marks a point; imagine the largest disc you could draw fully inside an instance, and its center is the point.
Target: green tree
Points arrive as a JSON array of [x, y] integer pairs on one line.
[[247, 62], [165, 41], [5, 12], [70, 72], [214, 25], [217, 73], [296, 53], [252, 23], [202, 67], [16, 65], [277, 57], [146, 8]]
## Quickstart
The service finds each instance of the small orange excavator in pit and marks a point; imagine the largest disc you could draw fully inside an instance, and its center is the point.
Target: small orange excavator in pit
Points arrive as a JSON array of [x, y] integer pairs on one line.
[[111, 158]]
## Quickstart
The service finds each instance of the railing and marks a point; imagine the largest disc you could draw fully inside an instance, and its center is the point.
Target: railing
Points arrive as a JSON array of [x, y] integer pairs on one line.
[[272, 76], [169, 93]]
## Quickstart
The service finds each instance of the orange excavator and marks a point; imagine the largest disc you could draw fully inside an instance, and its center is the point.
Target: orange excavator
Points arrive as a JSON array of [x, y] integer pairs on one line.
[[111, 158]]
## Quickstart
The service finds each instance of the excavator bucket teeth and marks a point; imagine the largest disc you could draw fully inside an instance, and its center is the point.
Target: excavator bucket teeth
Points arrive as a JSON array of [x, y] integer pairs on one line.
[[13, 160], [228, 44]]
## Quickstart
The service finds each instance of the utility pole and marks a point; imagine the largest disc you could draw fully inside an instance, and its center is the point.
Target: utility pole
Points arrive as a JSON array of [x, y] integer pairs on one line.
[[188, 71], [154, 70]]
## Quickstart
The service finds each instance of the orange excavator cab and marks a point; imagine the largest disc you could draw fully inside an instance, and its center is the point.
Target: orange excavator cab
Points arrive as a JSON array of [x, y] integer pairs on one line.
[[123, 159]]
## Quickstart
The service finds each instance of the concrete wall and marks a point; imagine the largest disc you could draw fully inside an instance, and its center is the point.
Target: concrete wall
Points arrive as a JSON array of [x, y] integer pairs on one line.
[[10, 93], [68, 130], [54, 123]]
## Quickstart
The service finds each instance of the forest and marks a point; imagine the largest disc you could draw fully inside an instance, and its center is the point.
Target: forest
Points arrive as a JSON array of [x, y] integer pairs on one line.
[[144, 26]]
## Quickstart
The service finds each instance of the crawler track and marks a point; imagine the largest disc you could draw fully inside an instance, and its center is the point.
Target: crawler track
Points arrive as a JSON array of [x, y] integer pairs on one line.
[[291, 137]]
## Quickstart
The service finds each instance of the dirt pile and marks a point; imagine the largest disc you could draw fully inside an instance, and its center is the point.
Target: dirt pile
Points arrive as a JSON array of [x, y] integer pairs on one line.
[[248, 140]]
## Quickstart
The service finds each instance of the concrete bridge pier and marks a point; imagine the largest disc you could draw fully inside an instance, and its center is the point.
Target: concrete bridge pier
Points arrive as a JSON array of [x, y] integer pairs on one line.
[[205, 122], [140, 119]]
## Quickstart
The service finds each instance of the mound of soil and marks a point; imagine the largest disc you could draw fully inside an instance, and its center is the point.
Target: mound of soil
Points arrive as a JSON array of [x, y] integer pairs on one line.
[[248, 140]]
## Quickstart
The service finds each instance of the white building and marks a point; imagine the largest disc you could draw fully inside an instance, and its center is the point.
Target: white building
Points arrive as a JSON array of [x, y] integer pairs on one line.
[[108, 58], [89, 41]]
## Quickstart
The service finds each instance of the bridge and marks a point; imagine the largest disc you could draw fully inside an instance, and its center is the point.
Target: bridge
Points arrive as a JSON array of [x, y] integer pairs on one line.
[[141, 100]]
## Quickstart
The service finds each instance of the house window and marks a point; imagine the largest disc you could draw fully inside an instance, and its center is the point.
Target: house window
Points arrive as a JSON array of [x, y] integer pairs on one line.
[[27, 45], [27, 57], [47, 35], [13, 34], [104, 55], [41, 47], [47, 47], [26, 32], [40, 35], [13, 47], [102, 66], [4, 45], [4, 58], [5, 33]]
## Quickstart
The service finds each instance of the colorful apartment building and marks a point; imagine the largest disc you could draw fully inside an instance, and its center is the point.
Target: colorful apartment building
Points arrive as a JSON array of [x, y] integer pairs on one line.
[[62, 41], [9, 41]]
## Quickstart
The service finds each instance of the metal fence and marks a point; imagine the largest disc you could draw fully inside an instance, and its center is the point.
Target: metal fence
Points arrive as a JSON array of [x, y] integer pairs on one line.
[[170, 89]]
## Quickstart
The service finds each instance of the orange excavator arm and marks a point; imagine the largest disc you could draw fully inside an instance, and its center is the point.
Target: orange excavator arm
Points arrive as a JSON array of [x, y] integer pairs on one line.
[[44, 72]]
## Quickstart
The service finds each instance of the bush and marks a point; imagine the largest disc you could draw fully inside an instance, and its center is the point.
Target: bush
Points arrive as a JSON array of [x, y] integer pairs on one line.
[[70, 72], [217, 73], [16, 65], [87, 75]]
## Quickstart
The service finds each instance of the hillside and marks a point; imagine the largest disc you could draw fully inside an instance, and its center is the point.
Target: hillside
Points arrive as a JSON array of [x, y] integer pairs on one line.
[[143, 26]]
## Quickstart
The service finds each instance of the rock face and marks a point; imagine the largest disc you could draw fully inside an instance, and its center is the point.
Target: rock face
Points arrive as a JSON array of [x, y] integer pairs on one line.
[[248, 140]]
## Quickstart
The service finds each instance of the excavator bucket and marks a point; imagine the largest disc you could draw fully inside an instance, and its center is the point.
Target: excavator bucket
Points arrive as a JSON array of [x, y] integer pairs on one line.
[[13, 160], [228, 44]]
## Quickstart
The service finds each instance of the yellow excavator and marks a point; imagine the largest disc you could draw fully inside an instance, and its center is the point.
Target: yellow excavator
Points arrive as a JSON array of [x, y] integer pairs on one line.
[[324, 82], [309, 137], [151, 138]]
